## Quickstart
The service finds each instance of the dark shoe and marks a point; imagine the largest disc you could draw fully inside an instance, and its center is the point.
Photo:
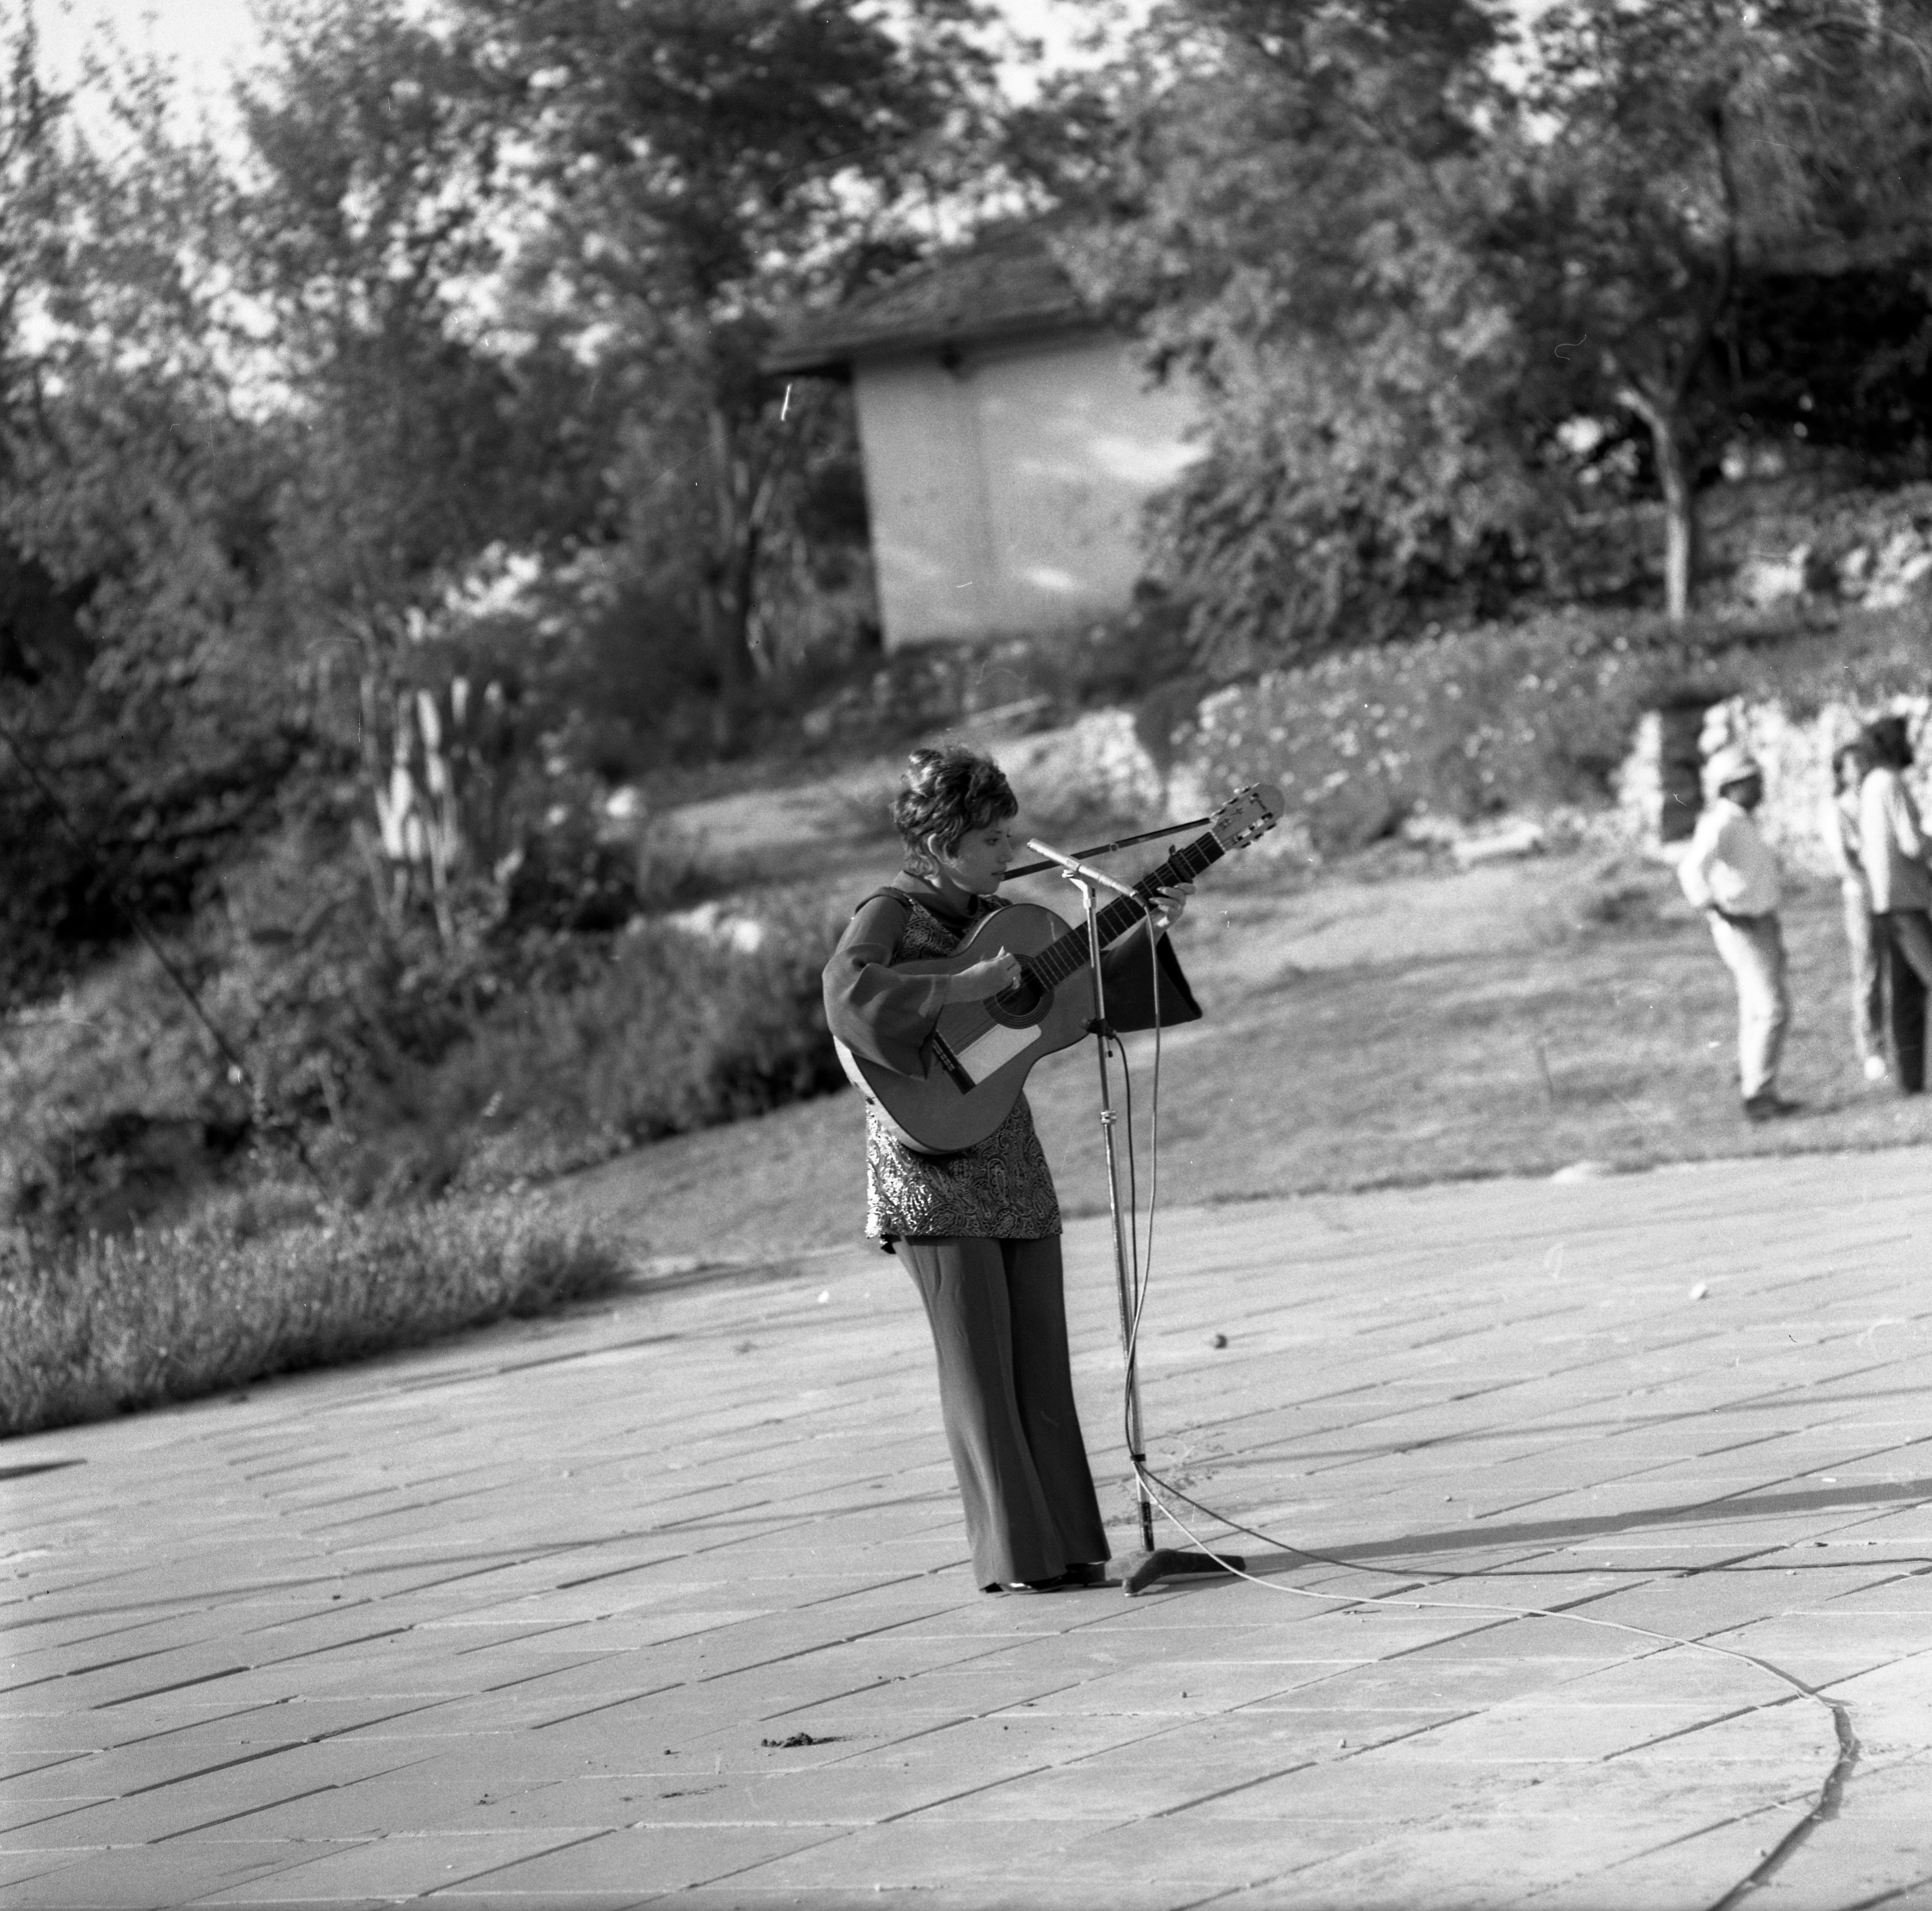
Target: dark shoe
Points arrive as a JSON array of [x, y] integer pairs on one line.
[[1769, 1106], [1026, 1585], [1088, 1572]]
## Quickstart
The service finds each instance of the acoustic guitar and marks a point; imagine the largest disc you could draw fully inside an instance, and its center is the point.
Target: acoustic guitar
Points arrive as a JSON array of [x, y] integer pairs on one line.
[[976, 1059]]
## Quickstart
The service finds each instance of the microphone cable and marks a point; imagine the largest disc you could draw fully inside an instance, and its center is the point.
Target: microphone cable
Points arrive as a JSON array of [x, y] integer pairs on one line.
[[1161, 1491], [1142, 1272]]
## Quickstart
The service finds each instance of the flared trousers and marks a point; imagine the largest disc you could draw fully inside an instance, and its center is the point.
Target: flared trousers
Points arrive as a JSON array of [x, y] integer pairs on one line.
[[997, 1310], [1905, 960]]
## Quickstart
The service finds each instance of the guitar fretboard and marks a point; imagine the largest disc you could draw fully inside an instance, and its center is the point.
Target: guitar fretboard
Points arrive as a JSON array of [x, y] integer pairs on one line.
[[1067, 954]]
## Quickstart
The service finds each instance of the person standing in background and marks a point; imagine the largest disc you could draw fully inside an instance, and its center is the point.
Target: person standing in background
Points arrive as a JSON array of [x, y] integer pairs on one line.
[[1839, 827], [1894, 854], [1729, 872]]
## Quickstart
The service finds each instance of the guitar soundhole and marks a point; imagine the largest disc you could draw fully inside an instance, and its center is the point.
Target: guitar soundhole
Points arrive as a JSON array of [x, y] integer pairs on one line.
[[1020, 1004]]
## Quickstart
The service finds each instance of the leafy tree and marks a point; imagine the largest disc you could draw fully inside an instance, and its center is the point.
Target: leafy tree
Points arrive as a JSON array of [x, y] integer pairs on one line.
[[1279, 195], [39, 150], [411, 439], [366, 234], [704, 166], [1842, 359], [1406, 247], [128, 489], [1669, 156]]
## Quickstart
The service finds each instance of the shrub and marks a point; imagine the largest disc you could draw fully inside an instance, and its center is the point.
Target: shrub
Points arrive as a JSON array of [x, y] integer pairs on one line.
[[1043, 680], [410, 1066], [93, 1325], [684, 1024], [1532, 715]]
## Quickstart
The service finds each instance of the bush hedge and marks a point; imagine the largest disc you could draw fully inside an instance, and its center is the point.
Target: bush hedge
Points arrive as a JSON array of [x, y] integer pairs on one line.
[[689, 1022], [408, 1070], [1525, 716]]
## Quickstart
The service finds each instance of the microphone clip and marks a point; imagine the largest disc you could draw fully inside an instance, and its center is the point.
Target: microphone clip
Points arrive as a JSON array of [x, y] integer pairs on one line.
[[1075, 871]]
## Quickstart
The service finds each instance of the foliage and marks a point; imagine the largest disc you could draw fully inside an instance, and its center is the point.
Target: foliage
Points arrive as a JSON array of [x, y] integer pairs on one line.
[[685, 1026], [1664, 154], [366, 228], [702, 170], [144, 685], [1432, 266], [1285, 205], [263, 1285], [539, 1041], [1532, 716]]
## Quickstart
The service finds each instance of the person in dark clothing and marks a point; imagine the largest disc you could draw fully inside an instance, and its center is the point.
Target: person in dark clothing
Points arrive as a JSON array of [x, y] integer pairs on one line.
[[1840, 826], [979, 1231], [1897, 862]]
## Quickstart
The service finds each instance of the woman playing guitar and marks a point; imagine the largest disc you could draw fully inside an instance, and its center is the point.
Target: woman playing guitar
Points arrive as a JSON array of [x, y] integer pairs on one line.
[[979, 1229]]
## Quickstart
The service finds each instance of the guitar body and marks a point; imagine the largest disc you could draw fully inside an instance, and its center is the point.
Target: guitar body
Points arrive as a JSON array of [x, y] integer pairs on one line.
[[977, 1059]]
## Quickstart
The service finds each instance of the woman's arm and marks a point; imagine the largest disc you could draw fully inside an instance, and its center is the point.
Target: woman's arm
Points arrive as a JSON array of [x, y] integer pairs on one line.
[[875, 1011], [1142, 988], [884, 1014]]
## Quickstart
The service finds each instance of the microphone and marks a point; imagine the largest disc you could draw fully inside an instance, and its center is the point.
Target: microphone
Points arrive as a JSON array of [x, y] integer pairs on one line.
[[1080, 869]]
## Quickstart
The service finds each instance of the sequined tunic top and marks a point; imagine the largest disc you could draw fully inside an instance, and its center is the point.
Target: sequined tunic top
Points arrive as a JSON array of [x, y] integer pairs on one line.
[[1000, 1188]]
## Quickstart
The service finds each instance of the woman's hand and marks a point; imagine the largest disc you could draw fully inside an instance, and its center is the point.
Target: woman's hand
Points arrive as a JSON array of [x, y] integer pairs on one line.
[[1170, 904], [984, 979]]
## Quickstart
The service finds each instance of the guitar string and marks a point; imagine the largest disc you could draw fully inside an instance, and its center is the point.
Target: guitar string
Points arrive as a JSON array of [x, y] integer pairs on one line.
[[1068, 953]]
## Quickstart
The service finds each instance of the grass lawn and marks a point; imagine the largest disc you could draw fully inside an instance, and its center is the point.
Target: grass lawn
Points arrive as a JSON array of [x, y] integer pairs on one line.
[[264, 1285], [1398, 1021]]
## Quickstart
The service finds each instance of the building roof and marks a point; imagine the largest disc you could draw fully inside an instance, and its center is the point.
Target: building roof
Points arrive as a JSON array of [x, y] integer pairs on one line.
[[1006, 283]]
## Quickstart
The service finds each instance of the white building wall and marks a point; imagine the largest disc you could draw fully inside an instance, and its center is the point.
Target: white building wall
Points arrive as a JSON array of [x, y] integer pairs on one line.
[[1005, 494]]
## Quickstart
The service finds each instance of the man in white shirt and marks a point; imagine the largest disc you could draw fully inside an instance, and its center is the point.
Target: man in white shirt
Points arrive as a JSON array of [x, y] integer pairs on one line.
[[1729, 872]]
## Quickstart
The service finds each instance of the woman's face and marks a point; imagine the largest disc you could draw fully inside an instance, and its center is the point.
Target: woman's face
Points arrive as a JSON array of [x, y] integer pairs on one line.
[[978, 862]]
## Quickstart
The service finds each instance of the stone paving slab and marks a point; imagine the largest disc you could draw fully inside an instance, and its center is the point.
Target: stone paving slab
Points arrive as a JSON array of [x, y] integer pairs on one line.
[[1592, 1569]]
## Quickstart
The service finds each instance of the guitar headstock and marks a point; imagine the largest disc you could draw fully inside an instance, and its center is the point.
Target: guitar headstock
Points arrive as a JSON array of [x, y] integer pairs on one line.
[[1246, 815]]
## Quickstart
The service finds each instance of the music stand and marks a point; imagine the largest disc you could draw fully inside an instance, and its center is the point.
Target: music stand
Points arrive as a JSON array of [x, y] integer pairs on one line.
[[1154, 1562]]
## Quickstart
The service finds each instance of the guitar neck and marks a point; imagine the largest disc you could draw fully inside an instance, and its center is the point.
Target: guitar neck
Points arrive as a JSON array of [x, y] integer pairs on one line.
[[1068, 953]]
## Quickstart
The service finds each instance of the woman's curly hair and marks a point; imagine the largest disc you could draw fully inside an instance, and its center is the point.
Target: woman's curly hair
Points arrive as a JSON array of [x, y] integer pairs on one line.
[[948, 793]]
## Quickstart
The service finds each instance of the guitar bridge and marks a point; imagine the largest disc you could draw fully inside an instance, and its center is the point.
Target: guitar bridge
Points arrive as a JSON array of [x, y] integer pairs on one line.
[[955, 1068]]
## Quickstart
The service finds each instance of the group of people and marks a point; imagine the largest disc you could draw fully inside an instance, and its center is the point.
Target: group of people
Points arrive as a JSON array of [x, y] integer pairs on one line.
[[1884, 861], [979, 1230]]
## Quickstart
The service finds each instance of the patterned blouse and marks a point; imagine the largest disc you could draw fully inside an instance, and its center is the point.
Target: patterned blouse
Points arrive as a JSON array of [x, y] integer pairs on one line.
[[999, 1189]]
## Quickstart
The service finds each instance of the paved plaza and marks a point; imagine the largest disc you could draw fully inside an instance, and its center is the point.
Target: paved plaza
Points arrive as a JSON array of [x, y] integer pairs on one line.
[[1614, 1498]]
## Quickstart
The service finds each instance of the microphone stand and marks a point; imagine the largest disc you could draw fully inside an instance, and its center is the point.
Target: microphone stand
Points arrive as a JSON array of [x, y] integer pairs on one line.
[[1154, 1562]]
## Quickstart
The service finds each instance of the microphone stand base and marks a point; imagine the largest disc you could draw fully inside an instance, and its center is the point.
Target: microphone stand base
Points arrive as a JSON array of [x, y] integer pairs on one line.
[[1168, 1562]]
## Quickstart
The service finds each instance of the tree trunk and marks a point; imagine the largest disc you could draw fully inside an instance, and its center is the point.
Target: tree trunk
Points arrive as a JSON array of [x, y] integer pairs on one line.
[[1680, 502], [727, 606], [1680, 527]]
